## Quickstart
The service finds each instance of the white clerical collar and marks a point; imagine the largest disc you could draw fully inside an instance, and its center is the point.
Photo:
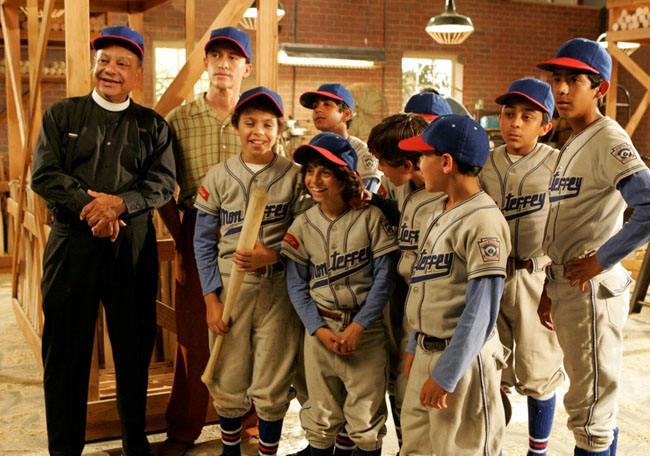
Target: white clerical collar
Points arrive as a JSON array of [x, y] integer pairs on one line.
[[107, 105]]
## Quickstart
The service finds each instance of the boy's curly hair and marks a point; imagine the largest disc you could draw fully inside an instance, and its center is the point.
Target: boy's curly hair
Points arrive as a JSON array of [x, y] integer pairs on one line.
[[352, 184]]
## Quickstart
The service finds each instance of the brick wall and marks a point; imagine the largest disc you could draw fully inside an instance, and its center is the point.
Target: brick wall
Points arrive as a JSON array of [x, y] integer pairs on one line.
[[510, 38]]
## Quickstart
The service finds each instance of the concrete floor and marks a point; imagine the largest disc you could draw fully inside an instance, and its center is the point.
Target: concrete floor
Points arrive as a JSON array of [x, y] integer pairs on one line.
[[22, 417]]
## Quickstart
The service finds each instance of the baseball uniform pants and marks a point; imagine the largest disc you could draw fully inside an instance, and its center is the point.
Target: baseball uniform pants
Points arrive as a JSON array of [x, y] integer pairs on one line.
[[346, 390], [257, 361], [589, 328], [474, 422], [536, 358]]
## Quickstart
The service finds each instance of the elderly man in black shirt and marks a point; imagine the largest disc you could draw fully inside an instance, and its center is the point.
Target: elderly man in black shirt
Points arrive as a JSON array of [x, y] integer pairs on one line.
[[102, 163]]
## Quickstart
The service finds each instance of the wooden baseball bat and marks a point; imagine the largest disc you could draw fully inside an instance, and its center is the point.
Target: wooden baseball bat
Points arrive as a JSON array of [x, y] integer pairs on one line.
[[247, 238]]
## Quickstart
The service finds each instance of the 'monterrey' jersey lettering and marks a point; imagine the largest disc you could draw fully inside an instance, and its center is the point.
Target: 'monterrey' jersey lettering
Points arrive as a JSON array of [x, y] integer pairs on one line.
[[416, 205], [468, 241], [586, 208], [226, 189], [339, 253], [520, 189]]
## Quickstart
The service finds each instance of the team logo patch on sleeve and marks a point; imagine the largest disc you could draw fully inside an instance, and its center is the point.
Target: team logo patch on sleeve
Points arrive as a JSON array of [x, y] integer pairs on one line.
[[624, 152], [203, 192], [490, 249], [291, 240], [369, 162], [389, 229]]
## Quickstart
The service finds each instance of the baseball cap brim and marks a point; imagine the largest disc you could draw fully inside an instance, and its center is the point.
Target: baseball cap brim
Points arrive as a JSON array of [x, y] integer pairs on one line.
[[280, 111], [503, 99], [106, 40], [307, 98], [226, 38], [566, 62], [429, 117], [303, 154], [415, 144]]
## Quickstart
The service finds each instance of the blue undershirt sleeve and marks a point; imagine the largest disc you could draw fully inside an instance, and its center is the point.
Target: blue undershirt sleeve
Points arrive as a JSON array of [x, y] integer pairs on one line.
[[205, 251], [410, 348], [388, 207], [382, 287], [298, 287], [635, 190], [482, 298], [371, 184]]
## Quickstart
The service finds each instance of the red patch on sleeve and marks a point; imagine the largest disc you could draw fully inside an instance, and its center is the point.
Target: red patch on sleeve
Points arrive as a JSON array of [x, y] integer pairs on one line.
[[291, 240], [204, 193]]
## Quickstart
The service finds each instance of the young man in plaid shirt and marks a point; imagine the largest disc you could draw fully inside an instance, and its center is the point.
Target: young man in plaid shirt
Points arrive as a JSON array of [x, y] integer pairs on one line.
[[204, 137]]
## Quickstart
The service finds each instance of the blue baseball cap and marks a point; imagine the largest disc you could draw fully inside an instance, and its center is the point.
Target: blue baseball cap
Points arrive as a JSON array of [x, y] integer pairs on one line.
[[335, 91], [332, 147], [262, 92], [234, 35], [122, 36], [537, 92], [453, 134], [581, 54], [428, 105]]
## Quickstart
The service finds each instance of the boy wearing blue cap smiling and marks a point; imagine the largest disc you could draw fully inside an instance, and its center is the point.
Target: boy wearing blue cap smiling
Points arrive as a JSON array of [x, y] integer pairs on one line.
[[257, 363], [340, 264], [452, 404], [332, 107], [516, 176], [586, 295]]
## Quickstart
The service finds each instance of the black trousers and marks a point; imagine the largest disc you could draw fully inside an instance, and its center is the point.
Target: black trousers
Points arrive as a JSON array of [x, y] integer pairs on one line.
[[79, 270]]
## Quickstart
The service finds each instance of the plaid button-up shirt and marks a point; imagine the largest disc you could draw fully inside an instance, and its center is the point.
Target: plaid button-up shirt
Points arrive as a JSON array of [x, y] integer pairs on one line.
[[202, 141]]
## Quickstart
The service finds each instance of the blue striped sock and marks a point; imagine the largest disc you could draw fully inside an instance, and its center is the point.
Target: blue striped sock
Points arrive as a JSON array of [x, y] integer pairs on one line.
[[270, 432], [325, 452], [231, 435], [343, 446], [580, 452], [540, 422]]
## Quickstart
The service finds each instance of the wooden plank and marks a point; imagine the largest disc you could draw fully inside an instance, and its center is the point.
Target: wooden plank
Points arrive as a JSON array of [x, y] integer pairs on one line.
[[190, 35], [267, 44], [10, 30], [184, 82], [641, 35], [77, 48], [103, 420], [626, 3], [166, 316], [5, 263], [166, 249], [29, 221], [33, 338], [612, 95], [631, 66], [136, 22], [638, 114], [32, 31]]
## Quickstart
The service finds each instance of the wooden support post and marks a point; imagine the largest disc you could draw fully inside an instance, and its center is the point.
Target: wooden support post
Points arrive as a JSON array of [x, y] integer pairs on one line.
[[267, 44], [184, 82], [32, 41], [612, 95], [190, 35], [643, 77], [15, 111], [43, 37], [136, 22], [77, 49]]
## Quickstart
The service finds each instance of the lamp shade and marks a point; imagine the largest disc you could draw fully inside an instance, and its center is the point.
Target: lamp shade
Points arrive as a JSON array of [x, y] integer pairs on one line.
[[450, 27]]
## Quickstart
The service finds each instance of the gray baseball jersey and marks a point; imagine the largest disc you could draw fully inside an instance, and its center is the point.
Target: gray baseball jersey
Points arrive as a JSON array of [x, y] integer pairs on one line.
[[468, 241], [416, 206], [367, 164], [226, 190], [582, 192], [339, 253], [519, 189]]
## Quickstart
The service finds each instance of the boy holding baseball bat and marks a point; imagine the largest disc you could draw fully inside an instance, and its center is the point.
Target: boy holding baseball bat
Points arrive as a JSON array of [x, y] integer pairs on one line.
[[256, 362]]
